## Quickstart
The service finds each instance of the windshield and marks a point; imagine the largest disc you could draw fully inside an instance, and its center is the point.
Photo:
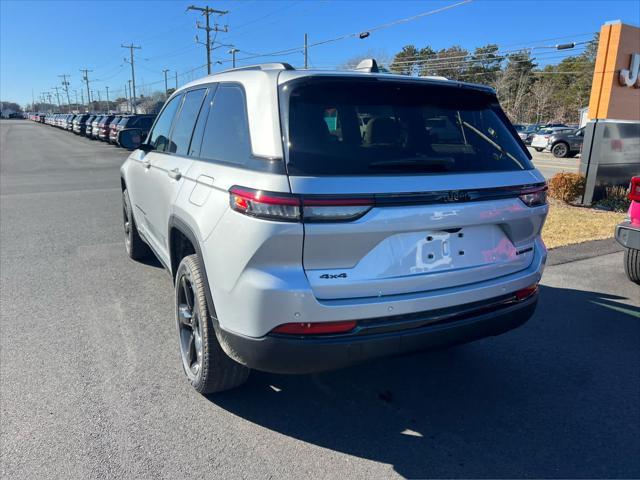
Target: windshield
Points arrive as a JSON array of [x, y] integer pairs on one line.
[[347, 127]]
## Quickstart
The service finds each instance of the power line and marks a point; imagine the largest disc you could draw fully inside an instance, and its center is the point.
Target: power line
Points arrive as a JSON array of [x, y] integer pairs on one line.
[[206, 12]]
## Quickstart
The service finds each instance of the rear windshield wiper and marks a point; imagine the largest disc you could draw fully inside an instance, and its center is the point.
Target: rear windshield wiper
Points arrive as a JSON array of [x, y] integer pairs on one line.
[[495, 145], [430, 163]]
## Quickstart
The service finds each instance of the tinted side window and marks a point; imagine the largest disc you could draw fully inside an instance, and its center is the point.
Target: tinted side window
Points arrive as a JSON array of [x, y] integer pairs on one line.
[[186, 119], [159, 137], [226, 134], [145, 122]]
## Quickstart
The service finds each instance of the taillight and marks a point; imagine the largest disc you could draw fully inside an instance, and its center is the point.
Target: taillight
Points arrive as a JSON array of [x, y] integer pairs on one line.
[[323, 328], [273, 206], [535, 196], [525, 293], [295, 208], [616, 145], [634, 189]]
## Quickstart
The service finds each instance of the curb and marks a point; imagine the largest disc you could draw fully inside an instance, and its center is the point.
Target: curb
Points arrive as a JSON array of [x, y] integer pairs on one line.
[[581, 251]]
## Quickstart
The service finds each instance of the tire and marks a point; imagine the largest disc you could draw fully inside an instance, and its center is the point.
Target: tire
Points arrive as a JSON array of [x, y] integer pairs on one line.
[[135, 246], [207, 367], [560, 150], [538, 149], [632, 264]]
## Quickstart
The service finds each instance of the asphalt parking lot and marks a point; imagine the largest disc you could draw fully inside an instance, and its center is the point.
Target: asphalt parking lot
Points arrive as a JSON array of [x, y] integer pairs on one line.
[[549, 165], [91, 384]]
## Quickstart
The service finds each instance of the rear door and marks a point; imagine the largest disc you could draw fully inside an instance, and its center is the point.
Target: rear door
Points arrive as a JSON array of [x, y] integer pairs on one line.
[[406, 189], [168, 169]]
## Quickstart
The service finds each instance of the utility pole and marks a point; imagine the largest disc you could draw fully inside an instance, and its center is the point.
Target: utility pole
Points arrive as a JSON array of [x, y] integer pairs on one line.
[[99, 101], [108, 106], [176, 79], [65, 84], [306, 51], [126, 94], [85, 77], [165, 81], [130, 99], [233, 52], [82, 100], [131, 48], [206, 12], [57, 95]]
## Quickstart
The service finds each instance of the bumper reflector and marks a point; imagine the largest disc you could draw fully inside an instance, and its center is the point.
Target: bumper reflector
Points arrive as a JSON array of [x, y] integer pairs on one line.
[[526, 292], [322, 328]]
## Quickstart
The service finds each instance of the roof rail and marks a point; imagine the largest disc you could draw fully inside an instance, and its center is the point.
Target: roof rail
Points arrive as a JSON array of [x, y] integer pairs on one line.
[[367, 65], [262, 66]]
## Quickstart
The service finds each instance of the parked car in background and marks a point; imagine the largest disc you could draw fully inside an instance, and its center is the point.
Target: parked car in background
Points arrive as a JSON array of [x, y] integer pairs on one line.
[[76, 123], [143, 122], [527, 134], [541, 137], [113, 124], [252, 215], [628, 233], [103, 127], [87, 125], [565, 144], [68, 122], [94, 127]]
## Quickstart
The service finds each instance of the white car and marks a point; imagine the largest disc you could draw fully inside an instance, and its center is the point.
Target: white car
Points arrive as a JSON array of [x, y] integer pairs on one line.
[[313, 220], [541, 139]]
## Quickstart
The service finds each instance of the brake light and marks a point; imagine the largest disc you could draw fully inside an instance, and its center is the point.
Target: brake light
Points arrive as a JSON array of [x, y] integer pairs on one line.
[[323, 328], [294, 208], [634, 189], [525, 293], [616, 145], [535, 197]]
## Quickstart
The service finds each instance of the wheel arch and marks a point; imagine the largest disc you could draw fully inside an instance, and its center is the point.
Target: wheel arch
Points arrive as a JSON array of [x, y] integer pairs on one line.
[[179, 233]]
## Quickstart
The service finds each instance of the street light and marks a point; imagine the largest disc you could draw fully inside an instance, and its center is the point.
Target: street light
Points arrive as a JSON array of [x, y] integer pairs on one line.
[[233, 52]]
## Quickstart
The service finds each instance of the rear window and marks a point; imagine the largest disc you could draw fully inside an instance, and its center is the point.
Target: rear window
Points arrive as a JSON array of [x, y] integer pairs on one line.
[[346, 127]]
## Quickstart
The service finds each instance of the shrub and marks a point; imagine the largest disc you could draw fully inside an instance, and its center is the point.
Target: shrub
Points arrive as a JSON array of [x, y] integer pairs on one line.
[[615, 199], [566, 186]]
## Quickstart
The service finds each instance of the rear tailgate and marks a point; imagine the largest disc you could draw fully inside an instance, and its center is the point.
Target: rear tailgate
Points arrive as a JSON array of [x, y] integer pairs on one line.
[[398, 249]]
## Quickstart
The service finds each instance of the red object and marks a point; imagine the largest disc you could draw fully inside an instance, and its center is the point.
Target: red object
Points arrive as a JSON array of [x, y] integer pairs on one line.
[[616, 145], [634, 189], [289, 207], [526, 292], [323, 328], [634, 196]]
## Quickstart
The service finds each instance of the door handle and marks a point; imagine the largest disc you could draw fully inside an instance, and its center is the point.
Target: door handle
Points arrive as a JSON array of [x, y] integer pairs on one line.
[[175, 174]]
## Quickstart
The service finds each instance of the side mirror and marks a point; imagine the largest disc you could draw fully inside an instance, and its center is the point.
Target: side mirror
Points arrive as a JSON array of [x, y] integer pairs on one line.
[[130, 138]]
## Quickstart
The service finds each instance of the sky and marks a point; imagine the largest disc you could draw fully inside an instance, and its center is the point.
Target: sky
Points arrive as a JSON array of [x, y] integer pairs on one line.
[[40, 40]]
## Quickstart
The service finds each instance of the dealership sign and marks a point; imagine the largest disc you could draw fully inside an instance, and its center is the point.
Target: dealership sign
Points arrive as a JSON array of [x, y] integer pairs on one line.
[[630, 77]]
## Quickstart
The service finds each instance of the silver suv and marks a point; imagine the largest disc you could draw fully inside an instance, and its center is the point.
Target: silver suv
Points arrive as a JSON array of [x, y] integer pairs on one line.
[[313, 220]]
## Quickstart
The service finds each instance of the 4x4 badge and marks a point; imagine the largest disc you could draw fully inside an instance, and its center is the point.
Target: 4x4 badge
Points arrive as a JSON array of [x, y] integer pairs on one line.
[[337, 275]]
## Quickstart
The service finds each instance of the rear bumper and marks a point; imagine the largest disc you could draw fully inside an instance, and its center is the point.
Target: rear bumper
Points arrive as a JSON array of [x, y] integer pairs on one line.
[[628, 236], [381, 337]]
